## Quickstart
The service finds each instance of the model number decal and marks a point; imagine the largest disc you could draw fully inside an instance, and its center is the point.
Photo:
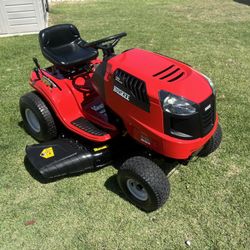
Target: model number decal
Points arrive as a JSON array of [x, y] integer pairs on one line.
[[207, 107], [121, 93]]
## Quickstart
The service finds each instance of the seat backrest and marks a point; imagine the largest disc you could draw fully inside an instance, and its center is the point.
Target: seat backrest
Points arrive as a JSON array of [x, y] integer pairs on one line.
[[58, 35]]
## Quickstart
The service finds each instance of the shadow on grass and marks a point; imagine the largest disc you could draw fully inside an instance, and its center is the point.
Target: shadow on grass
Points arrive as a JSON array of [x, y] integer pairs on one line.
[[246, 2], [112, 185], [21, 124]]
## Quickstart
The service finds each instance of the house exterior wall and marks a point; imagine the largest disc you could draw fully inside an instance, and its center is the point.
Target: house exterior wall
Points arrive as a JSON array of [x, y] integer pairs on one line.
[[22, 16]]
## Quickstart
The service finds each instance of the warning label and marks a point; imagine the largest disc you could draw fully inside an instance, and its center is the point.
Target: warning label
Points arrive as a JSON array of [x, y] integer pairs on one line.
[[47, 153]]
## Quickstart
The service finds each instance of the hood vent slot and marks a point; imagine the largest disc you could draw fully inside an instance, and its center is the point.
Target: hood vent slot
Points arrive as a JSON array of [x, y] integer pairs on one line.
[[170, 74], [177, 77], [163, 71]]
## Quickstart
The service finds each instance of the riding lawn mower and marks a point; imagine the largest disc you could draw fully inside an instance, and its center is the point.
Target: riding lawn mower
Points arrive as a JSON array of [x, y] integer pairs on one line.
[[137, 106]]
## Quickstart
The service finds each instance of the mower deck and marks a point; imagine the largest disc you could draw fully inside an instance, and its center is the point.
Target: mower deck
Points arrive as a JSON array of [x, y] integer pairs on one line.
[[65, 156]]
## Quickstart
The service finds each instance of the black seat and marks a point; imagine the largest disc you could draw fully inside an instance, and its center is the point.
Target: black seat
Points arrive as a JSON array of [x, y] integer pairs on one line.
[[61, 45]]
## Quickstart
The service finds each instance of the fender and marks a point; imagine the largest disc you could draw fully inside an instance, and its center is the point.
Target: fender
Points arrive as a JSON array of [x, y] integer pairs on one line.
[[63, 100]]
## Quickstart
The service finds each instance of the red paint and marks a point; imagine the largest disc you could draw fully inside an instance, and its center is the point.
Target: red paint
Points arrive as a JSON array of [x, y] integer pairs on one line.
[[146, 127]]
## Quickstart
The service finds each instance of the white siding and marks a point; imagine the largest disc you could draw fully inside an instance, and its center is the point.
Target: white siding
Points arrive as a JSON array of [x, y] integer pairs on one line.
[[21, 16]]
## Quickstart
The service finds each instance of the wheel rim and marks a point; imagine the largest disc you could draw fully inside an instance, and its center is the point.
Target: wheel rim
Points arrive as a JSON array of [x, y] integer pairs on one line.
[[137, 190], [32, 120]]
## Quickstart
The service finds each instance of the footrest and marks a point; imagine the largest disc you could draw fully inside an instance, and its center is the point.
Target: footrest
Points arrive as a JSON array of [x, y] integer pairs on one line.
[[88, 127]]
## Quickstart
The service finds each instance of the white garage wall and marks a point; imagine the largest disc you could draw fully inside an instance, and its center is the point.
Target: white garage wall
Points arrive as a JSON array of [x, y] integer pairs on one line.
[[22, 16]]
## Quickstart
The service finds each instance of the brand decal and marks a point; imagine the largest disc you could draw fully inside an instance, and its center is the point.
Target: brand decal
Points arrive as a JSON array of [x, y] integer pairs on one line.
[[47, 153], [207, 107], [100, 148], [118, 79], [121, 93]]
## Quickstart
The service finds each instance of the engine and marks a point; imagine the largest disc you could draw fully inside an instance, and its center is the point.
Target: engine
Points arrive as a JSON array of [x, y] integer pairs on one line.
[[157, 97]]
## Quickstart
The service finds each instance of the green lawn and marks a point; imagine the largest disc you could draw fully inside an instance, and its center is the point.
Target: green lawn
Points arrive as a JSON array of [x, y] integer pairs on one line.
[[209, 202]]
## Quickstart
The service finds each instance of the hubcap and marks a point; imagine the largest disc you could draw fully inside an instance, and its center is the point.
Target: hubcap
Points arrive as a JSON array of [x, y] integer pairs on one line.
[[32, 120], [137, 190]]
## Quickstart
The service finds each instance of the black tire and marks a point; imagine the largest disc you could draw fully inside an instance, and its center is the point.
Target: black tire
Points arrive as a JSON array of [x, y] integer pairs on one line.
[[213, 143], [148, 178], [43, 127]]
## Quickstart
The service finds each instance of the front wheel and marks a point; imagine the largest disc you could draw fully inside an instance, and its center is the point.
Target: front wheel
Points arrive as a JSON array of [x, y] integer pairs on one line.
[[213, 143], [144, 183], [37, 118]]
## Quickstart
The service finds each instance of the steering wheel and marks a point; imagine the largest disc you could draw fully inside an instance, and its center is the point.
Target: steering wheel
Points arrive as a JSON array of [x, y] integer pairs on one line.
[[103, 43]]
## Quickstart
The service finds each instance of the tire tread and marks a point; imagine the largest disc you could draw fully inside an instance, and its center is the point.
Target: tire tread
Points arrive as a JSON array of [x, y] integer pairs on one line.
[[33, 100], [213, 143], [151, 174]]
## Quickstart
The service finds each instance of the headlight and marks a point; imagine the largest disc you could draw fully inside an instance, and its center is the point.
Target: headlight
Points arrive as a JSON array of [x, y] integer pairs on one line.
[[210, 83], [177, 105]]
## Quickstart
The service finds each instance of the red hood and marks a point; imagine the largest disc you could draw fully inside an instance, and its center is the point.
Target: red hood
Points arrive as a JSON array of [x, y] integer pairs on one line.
[[163, 73]]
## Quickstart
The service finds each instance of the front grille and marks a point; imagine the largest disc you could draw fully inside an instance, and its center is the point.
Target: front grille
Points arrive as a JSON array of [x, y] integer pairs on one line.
[[133, 84], [170, 74], [134, 87]]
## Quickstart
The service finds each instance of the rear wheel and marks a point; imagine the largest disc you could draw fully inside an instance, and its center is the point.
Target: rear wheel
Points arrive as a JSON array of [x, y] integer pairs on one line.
[[213, 143], [144, 183], [37, 118]]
